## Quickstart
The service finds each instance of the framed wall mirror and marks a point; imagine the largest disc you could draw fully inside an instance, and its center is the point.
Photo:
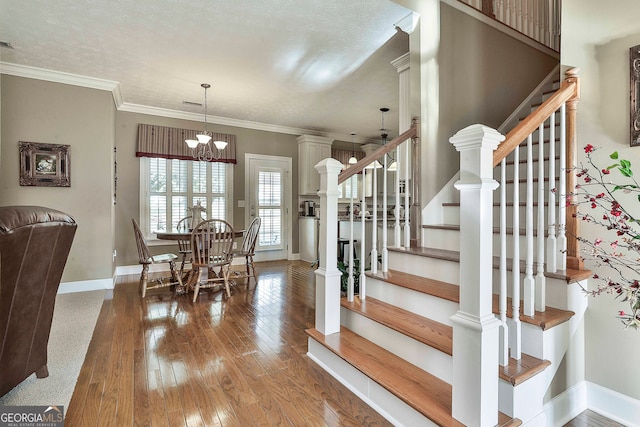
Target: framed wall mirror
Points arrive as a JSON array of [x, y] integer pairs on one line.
[[634, 89]]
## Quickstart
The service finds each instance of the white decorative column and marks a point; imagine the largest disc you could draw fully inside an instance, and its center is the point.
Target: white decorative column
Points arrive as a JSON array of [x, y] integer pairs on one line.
[[475, 327], [327, 274], [403, 152]]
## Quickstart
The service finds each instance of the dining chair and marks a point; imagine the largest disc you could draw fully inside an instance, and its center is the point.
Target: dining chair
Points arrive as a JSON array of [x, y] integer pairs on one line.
[[211, 246], [146, 259], [247, 250], [184, 243]]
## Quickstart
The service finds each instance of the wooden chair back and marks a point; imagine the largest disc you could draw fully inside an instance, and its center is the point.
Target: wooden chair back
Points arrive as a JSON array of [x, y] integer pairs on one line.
[[143, 250], [250, 237], [212, 243], [184, 245]]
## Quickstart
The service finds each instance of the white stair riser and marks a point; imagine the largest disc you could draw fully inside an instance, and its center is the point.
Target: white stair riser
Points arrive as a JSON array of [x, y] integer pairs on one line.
[[426, 358], [438, 269], [419, 303], [517, 401], [450, 239]]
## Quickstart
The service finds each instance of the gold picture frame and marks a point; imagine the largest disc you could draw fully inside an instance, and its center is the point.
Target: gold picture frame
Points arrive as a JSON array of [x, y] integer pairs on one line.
[[634, 94], [44, 165]]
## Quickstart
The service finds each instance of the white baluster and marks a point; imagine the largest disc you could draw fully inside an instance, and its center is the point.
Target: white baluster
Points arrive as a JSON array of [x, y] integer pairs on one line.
[[363, 254], [515, 329], [540, 286], [529, 283], [397, 229], [374, 228], [562, 191], [407, 205], [504, 329], [552, 247], [385, 253], [350, 281]]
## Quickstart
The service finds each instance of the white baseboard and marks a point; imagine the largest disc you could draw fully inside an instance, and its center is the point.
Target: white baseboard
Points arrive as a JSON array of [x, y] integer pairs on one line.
[[85, 285], [611, 404], [586, 395]]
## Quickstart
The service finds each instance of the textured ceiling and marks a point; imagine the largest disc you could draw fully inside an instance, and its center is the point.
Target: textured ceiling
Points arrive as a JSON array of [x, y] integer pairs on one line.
[[322, 66]]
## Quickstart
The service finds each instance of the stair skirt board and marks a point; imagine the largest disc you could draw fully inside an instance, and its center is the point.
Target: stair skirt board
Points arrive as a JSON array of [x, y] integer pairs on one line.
[[386, 404], [427, 358], [422, 304]]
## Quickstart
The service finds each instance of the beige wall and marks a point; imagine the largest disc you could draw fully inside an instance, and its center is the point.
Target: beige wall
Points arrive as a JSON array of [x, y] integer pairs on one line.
[[39, 111], [467, 72], [128, 198], [603, 121]]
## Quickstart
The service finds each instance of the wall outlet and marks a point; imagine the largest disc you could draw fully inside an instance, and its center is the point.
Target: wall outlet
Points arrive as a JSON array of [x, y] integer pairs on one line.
[[114, 255], [235, 245]]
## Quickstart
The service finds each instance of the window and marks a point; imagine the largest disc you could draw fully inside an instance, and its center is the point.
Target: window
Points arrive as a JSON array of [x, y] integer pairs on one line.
[[168, 188], [349, 188]]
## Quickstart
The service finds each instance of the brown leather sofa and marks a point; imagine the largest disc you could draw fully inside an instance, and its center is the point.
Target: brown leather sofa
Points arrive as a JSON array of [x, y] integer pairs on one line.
[[34, 246]]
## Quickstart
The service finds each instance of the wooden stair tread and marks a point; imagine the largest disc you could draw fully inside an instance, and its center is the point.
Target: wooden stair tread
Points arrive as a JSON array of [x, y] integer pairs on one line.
[[422, 329], [440, 337], [518, 371], [568, 275], [543, 319], [424, 392]]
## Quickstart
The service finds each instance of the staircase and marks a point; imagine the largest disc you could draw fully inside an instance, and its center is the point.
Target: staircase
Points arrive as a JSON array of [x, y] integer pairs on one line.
[[443, 336]]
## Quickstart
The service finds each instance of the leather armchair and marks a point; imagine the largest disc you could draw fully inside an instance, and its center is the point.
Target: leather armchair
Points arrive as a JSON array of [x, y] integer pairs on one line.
[[34, 246]]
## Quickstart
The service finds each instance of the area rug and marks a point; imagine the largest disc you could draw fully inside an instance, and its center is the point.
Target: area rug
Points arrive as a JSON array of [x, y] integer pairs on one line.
[[74, 319]]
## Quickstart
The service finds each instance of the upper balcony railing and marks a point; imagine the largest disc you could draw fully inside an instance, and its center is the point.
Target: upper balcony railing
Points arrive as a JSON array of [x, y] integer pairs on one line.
[[537, 19]]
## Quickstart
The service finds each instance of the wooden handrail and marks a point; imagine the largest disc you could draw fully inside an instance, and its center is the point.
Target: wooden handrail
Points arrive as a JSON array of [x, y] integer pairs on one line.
[[569, 90], [412, 133]]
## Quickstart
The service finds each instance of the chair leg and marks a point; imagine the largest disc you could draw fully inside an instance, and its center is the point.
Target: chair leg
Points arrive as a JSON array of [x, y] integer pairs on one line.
[[175, 276], [144, 277], [196, 282], [253, 268], [225, 277]]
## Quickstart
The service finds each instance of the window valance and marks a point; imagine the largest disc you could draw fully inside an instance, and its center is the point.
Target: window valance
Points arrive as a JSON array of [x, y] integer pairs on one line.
[[343, 156], [168, 143]]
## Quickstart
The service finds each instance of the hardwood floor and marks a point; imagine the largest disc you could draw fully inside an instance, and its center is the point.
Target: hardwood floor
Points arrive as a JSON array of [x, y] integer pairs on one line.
[[592, 419], [241, 361]]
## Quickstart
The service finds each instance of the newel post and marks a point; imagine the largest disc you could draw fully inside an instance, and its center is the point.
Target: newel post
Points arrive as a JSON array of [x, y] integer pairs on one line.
[[475, 327], [327, 274]]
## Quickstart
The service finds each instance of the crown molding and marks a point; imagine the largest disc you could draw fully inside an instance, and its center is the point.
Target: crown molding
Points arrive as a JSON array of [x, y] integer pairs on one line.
[[408, 23], [114, 88], [58, 77]]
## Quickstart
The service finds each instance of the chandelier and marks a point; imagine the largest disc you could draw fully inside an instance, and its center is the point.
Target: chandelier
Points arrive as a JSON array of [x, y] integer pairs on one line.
[[201, 148]]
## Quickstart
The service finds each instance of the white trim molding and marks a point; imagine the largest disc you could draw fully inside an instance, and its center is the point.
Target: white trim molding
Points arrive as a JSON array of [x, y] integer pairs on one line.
[[121, 105], [587, 395], [86, 285]]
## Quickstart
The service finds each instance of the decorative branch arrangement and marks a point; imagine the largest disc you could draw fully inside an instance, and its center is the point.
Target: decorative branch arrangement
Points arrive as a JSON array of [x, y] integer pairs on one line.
[[607, 205]]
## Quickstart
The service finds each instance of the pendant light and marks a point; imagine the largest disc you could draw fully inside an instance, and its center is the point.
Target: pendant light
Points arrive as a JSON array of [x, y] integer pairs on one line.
[[200, 148], [352, 159]]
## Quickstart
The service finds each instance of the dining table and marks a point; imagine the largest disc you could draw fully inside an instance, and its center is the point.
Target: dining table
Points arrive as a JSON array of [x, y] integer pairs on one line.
[[182, 235], [174, 235]]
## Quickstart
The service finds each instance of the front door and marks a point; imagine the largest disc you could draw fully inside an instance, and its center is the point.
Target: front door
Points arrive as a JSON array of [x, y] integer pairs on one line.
[[268, 195]]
